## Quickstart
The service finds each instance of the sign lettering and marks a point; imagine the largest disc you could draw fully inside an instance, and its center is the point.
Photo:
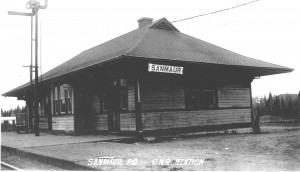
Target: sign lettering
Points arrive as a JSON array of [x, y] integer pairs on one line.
[[165, 69]]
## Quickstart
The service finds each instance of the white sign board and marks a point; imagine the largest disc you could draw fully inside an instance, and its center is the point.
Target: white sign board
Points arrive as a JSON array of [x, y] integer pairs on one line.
[[165, 69]]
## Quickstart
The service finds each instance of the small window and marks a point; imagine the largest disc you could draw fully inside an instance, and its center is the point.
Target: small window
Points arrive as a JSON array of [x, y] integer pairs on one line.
[[123, 83], [105, 102], [209, 98], [62, 100], [56, 102], [200, 99], [68, 94], [124, 100], [123, 94]]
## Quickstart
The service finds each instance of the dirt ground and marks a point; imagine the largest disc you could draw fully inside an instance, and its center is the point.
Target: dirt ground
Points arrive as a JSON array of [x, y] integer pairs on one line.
[[25, 163], [276, 148]]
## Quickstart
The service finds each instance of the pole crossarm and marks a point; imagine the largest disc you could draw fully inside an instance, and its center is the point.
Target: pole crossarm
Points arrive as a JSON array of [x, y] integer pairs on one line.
[[19, 13]]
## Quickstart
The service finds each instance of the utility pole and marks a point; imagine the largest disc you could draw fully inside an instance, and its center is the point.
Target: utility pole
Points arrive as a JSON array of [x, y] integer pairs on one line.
[[36, 101], [34, 6]]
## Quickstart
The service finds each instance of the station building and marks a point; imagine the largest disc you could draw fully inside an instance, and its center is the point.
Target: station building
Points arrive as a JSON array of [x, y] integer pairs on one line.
[[152, 79]]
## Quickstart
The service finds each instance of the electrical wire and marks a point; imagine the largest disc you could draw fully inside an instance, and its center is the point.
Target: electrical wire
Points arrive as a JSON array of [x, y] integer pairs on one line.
[[215, 11]]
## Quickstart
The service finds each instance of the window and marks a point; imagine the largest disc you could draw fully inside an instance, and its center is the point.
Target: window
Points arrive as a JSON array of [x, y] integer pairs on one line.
[[115, 97], [124, 100], [46, 106], [104, 103], [123, 94], [55, 103], [68, 94], [62, 99], [200, 99]]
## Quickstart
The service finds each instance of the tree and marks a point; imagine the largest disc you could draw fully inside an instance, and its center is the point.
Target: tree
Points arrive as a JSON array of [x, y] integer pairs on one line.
[[290, 105], [269, 105], [283, 106], [277, 109], [298, 104]]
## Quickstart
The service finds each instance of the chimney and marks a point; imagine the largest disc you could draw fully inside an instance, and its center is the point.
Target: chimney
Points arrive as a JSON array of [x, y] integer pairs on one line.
[[144, 21]]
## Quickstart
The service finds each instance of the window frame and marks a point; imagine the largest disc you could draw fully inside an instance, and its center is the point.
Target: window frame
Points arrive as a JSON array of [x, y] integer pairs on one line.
[[123, 92], [62, 103], [200, 97]]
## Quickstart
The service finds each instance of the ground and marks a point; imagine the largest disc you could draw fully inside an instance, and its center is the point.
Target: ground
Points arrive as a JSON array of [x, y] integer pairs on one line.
[[276, 148], [25, 163]]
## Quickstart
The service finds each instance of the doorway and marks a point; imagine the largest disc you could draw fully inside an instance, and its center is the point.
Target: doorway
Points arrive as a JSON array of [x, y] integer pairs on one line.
[[114, 111]]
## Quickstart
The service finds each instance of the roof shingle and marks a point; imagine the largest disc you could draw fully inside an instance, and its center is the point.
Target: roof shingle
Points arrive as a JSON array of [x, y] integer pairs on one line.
[[155, 43]]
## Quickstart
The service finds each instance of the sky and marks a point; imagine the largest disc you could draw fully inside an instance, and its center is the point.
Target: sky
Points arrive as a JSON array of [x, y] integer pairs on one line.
[[267, 30]]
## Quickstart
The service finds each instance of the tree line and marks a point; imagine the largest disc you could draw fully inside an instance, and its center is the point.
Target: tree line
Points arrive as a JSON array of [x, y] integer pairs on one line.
[[286, 105], [11, 112]]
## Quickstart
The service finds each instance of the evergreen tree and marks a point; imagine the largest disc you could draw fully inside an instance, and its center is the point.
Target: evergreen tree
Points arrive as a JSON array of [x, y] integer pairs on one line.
[[269, 105], [298, 104], [277, 109], [290, 105], [283, 106], [263, 102]]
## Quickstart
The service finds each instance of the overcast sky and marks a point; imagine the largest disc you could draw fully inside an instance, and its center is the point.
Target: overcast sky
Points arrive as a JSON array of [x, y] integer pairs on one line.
[[267, 30]]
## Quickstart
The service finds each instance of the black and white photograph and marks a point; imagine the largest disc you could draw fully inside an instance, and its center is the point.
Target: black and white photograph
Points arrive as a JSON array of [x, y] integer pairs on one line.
[[169, 85]]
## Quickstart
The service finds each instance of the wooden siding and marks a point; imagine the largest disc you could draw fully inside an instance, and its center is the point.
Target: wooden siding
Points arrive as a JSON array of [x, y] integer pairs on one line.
[[131, 98], [100, 122], [177, 119], [43, 123], [127, 122], [234, 97], [63, 123], [172, 98]]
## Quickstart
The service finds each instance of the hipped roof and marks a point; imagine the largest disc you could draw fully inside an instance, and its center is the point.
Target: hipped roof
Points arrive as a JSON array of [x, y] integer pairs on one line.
[[159, 40]]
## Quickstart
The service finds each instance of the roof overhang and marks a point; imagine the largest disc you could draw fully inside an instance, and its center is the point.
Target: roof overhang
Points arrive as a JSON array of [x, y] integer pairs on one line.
[[21, 91]]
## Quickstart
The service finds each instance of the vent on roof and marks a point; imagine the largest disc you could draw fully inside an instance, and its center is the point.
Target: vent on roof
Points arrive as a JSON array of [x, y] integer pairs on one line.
[[163, 25]]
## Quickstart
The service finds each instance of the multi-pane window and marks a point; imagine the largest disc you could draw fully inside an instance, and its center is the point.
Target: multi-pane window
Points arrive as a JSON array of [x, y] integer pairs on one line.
[[123, 94], [104, 102], [69, 93], [46, 106], [124, 99], [115, 97], [56, 102], [62, 99], [200, 99]]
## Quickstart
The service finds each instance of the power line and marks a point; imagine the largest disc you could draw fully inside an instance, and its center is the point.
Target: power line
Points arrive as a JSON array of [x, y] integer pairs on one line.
[[215, 11]]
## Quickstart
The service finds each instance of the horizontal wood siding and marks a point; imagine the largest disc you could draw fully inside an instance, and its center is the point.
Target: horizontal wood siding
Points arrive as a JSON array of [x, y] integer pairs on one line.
[[65, 123], [100, 122], [127, 122], [165, 120], [131, 100], [234, 97], [172, 98], [43, 122]]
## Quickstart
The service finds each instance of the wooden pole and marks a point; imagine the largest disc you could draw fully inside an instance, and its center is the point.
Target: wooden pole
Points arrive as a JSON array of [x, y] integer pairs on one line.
[[31, 82], [36, 103], [138, 115]]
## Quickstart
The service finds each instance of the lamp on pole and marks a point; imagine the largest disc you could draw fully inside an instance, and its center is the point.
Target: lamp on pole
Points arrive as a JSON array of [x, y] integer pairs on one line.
[[34, 6]]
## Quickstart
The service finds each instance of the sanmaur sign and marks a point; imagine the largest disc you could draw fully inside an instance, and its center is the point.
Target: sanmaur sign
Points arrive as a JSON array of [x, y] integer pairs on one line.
[[165, 69]]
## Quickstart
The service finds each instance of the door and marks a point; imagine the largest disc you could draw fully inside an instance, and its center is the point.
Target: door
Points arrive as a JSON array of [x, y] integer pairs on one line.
[[114, 113]]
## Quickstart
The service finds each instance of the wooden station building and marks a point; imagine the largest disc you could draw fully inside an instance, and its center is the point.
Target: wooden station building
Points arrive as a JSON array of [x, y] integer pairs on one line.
[[152, 79]]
